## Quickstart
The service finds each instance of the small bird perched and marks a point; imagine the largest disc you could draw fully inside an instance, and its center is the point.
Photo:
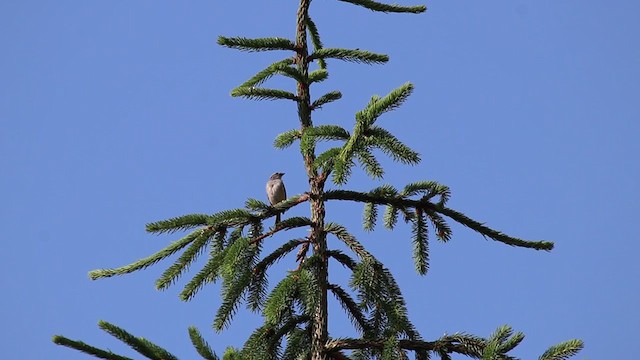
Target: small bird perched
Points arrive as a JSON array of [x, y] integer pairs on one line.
[[276, 191]]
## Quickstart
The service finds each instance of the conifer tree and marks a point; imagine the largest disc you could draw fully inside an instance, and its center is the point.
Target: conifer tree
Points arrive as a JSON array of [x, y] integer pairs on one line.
[[295, 309]]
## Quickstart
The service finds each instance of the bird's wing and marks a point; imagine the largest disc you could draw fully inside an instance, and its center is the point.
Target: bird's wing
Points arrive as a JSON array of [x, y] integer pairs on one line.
[[284, 190]]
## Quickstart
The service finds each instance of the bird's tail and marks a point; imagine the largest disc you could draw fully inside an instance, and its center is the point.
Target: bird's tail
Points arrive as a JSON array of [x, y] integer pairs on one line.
[[277, 219]]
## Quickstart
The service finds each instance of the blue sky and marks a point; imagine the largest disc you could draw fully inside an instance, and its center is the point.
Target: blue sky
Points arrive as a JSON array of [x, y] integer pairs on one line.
[[116, 114]]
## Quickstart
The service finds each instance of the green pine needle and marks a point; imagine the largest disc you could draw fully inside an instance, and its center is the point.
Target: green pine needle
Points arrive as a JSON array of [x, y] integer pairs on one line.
[[378, 106], [315, 40], [255, 205], [358, 56], [326, 159], [350, 306], [325, 99], [232, 217], [391, 350], [184, 261], [342, 234], [372, 166], [428, 189], [391, 146], [148, 261], [286, 139], [512, 342], [257, 289], [420, 245], [501, 334], [390, 217], [201, 345], [342, 258], [293, 73], [342, 169], [267, 73], [209, 273], [314, 134], [87, 349], [259, 44], [179, 223], [471, 345], [263, 94], [440, 226], [387, 8], [232, 292], [563, 350], [297, 344], [318, 76], [279, 302], [369, 217], [141, 345], [491, 233], [308, 287]]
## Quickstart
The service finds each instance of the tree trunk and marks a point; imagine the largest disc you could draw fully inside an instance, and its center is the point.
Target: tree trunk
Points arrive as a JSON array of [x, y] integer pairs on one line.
[[320, 319], [319, 333]]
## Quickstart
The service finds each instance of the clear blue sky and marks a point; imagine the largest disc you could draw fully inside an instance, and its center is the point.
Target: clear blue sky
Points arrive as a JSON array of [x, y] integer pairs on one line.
[[115, 114]]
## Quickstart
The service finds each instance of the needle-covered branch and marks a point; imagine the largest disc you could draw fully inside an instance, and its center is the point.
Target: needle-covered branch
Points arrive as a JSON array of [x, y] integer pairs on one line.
[[88, 349], [258, 287], [259, 44], [325, 99], [265, 342], [185, 260], [139, 344], [285, 205], [402, 202], [267, 73], [489, 232], [254, 93], [279, 304], [344, 259], [199, 239], [351, 307], [413, 345], [286, 224], [201, 345], [179, 223], [287, 138], [315, 39], [387, 8], [313, 135], [563, 350], [420, 243], [235, 271], [378, 106], [380, 295], [365, 137], [316, 76], [343, 235], [389, 144], [352, 55], [148, 261], [495, 347]]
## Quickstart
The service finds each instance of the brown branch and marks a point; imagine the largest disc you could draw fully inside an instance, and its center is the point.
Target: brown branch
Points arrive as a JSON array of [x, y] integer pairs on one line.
[[339, 356], [441, 346], [266, 235], [302, 253], [401, 202], [291, 202], [276, 229]]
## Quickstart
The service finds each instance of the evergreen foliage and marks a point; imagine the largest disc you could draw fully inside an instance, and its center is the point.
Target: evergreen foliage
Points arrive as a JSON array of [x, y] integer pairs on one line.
[[295, 309]]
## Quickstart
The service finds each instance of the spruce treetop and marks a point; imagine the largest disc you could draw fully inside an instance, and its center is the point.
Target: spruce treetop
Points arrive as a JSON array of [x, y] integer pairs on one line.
[[294, 309]]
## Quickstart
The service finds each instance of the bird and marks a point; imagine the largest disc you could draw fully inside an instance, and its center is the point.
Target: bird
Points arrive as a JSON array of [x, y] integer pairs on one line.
[[276, 191]]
